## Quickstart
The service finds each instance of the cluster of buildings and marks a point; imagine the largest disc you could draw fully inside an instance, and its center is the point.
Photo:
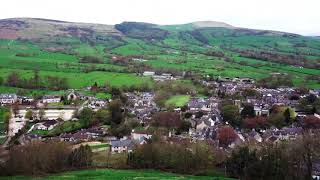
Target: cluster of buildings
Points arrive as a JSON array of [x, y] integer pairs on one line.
[[160, 77], [142, 105], [202, 113]]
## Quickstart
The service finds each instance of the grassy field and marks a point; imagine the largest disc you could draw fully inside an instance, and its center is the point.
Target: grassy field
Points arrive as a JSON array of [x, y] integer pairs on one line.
[[178, 100], [79, 80], [103, 147], [3, 111], [116, 175]]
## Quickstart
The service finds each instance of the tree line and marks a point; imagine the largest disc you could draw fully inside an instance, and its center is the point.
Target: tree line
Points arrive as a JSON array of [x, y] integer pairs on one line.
[[39, 158], [36, 82]]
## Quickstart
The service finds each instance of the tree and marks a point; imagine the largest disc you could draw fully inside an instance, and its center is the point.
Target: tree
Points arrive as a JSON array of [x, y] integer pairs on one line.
[[184, 126], [29, 115], [1, 81], [250, 92], [257, 122], [13, 79], [240, 162], [86, 117], [81, 157], [161, 98], [287, 116], [199, 114], [226, 135], [15, 108], [41, 114], [311, 121], [247, 111], [6, 117], [120, 130], [37, 158], [115, 110], [36, 79], [167, 119], [230, 113], [115, 92], [102, 115]]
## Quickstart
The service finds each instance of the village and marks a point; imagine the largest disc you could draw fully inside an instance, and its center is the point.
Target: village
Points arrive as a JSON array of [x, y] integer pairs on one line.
[[31, 118]]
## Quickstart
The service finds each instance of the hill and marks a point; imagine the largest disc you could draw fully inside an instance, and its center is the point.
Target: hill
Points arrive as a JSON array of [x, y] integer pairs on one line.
[[117, 174], [62, 48]]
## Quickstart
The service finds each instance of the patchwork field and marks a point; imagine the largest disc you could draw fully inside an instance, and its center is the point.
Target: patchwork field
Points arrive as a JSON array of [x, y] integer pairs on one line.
[[214, 51]]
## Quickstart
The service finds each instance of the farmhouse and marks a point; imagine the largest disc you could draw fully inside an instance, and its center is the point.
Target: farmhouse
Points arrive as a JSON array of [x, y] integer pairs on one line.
[[46, 125], [25, 100], [138, 136], [51, 99], [119, 146], [72, 95], [8, 98]]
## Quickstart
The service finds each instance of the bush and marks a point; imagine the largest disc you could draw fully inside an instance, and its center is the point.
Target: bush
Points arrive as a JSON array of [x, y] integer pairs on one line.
[[91, 59]]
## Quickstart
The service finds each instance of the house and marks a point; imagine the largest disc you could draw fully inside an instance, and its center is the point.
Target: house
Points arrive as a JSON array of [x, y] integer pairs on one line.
[[51, 99], [120, 146], [95, 104], [46, 125], [287, 133], [253, 135], [199, 105], [148, 73], [138, 136], [204, 122], [25, 100], [72, 95], [8, 98]]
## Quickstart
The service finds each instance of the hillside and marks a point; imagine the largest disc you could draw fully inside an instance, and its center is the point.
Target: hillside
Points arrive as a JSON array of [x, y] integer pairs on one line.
[[210, 48]]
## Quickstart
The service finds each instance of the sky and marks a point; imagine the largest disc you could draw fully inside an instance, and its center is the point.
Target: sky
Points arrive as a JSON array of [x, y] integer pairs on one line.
[[296, 16]]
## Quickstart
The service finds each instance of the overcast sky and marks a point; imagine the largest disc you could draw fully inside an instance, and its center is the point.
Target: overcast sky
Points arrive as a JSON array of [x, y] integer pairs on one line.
[[298, 16]]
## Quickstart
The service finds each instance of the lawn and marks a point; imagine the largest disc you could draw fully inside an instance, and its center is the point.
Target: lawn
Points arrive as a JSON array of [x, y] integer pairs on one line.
[[116, 175], [39, 132], [65, 127], [178, 100], [99, 147]]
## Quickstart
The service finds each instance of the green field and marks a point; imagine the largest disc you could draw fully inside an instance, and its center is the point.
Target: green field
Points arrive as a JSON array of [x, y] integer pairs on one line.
[[178, 100], [3, 111], [116, 175], [80, 80]]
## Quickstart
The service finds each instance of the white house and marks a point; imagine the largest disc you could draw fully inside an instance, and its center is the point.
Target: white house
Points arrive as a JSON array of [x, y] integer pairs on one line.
[[149, 73], [51, 99], [121, 146], [46, 125], [138, 136], [8, 98]]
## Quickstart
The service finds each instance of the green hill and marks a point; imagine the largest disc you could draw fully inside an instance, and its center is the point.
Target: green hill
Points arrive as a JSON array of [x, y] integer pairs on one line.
[[209, 48]]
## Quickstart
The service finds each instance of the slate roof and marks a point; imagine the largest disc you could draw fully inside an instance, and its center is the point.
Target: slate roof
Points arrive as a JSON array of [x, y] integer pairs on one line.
[[121, 143], [8, 96]]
